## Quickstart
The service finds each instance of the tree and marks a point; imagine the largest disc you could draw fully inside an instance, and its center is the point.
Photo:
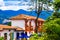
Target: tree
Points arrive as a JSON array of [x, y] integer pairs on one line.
[[56, 5], [9, 23], [39, 7], [52, 28], [52, 25]]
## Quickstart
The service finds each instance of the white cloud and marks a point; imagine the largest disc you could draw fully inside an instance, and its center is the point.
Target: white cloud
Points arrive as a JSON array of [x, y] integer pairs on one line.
[[51, 8], [13, 5], [16, 5], [1, 3]]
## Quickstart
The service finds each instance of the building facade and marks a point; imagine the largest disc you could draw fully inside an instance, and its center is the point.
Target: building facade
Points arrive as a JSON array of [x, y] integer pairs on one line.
[[9, 32], [26, 22]]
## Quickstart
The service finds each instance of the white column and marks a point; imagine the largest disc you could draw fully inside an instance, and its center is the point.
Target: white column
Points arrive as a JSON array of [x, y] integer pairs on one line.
[[28, 34], [14, 35], [1, 34], [8, 35], [20, 34]]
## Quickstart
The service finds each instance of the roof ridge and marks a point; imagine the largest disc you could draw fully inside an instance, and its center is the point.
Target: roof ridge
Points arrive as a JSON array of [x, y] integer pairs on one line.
[[23, 16]]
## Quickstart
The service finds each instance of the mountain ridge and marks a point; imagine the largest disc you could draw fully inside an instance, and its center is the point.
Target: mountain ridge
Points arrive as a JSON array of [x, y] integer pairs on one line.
[[6, 14]]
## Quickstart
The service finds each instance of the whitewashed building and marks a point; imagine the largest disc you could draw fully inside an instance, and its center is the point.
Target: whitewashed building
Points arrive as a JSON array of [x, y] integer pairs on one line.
[[26, 22], [9, 32]]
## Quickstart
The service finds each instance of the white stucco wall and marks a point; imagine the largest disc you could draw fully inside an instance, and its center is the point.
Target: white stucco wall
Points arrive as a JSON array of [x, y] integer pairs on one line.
[[18, 23], [5, 31], [33, 24], [14, 35], [28, 22], [8, 33]]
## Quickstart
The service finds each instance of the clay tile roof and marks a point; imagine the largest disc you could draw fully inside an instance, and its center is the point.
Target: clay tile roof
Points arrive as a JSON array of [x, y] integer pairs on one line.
[[22, 16], [9, 27], [6, 26], [18, 29]]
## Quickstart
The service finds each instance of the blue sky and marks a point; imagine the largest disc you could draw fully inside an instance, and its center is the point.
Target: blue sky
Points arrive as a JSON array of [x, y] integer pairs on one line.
[[16, 5]]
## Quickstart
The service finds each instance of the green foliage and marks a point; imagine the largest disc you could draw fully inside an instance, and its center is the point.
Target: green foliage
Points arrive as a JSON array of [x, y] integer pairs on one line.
[[1, 38], [34, 37], [52, 25], [37, 37], [52, 28], [9, 23], [56, 14], [55, 1], [57, 4]]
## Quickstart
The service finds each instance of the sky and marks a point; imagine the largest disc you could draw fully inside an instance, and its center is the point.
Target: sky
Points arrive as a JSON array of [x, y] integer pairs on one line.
[[16, 5]]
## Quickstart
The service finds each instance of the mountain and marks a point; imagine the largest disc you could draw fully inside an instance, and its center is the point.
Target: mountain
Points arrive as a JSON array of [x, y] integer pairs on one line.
[[6, 14]]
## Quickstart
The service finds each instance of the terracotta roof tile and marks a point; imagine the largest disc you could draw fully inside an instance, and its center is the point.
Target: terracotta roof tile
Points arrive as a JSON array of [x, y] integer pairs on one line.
[[6, 26], [22, 16], [9, 27], [18, 29]]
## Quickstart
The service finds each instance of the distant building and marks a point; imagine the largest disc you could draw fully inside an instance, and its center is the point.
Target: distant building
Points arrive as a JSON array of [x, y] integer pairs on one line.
[[27, 23], [9, 32]]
